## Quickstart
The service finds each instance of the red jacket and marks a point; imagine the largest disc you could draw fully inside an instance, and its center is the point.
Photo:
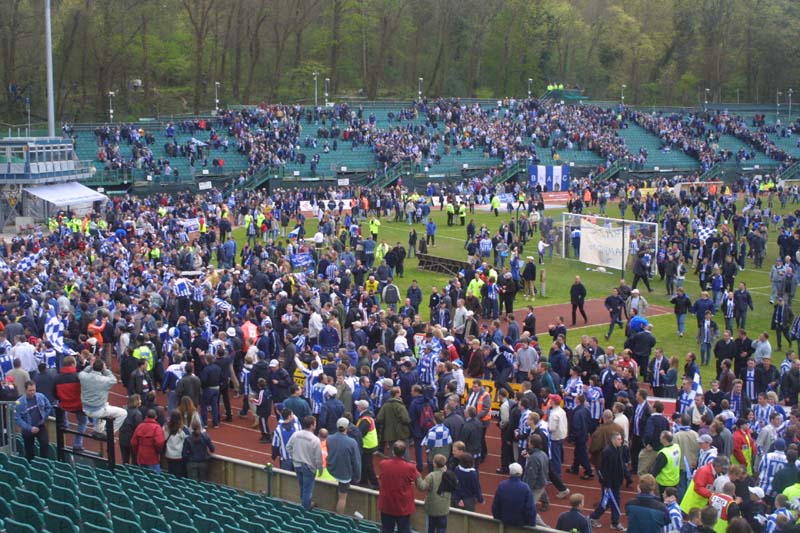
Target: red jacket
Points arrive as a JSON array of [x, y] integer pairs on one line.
[[703, 479], [741, 439], [68, 389], [147, 442], [396, 496]]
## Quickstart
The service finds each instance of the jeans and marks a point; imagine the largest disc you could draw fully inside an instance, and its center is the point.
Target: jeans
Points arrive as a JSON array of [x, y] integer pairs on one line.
[[418, 452], [556, 459], [172, 401], [437, 524], [83, 420], [705, 353], [154, 468], [681, 322], [210, 398], [389, 522], [305, 477]]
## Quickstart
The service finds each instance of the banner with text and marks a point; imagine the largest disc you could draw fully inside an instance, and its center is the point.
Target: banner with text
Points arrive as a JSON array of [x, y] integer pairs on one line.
[[602, 244], [549, 177]]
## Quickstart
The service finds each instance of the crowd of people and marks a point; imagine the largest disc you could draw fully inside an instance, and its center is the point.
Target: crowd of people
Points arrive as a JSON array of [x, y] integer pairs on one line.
[[348, 367]]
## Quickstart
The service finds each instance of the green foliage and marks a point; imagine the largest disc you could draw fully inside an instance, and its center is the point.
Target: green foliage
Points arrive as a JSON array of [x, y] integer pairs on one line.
[[665, 52]]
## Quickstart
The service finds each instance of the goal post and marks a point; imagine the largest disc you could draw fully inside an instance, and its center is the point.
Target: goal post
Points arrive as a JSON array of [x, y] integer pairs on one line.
[[611, 243]]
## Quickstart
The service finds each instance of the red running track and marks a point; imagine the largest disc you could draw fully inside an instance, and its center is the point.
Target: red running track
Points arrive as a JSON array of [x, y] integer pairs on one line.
[[239, 440]]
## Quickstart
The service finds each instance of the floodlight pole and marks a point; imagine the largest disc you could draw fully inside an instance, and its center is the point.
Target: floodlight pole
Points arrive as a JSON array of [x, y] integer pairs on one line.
[[111, 106], [51, 106], [419, 89], [778, 94], [216, 97], [530, 80], [790, 91], [327, 88], [316, 74]]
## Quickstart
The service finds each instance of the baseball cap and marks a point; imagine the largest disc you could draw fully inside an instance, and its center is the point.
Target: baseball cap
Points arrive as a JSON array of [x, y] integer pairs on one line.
[[273, 363], [758, 491], [342, 423], [555, 398], [364, 404], [388, 382], [515, 469], [705, 438], [261, 354], [329, 391], [316, 348], [458, 363], [10, 379], [231, 332]]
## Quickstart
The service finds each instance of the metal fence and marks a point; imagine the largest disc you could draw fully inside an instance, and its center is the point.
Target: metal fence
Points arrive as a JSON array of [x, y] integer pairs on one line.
[[8, 442]]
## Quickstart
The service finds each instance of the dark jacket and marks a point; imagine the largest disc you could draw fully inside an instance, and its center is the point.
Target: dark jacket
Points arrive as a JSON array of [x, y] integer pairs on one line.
[[471, 436], [513, 503], [581, 424], [130, 424], [190, 386], [198, 449], [330, 411], [646, 513], [612, 469], [652, 431]]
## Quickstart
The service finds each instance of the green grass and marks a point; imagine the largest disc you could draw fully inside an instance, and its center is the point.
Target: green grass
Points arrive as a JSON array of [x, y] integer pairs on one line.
[[561, 274]]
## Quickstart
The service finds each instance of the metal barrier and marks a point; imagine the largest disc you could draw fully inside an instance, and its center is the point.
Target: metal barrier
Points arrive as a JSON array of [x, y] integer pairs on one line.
[[8, 442], [63, 429]]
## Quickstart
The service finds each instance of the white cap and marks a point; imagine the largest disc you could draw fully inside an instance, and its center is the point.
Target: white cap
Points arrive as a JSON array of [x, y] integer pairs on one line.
[[343, 423], [274, 362], [515, 469], [329, 391], [758, 491], [231, 332], [450, 338]]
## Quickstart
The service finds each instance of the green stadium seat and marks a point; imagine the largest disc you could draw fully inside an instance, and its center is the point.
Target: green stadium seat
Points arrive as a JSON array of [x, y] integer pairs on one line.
[[65, 494], [124, 512], [117, 498], [154, 523], [174, 515], [3, 459], [207, 525], [58, 524], [41, 488], [92, 528], [94, 503], [12, 526], [92, 488], [232, 529], [5, 507], [144, 506], [178, 527], [5, 488], [368, 527], [28, 515], [40, 473], [252, 527], [18, 465], [29, 498], [96, 518], [10, 478], [121, 525], [64, 509], [62, 480]]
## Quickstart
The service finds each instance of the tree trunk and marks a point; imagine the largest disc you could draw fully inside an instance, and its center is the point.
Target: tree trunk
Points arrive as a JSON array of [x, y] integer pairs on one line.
[[336, 28]]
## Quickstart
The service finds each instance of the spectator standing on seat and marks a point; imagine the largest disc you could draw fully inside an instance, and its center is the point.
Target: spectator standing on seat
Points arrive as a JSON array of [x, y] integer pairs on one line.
[[396, 496], [148, 442], [305, 451], [344, 461], [96, 382], [68, 394], [197, 450], [30, 414]]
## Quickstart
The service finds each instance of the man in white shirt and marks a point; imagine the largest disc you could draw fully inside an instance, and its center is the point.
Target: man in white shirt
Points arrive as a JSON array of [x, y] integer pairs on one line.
[[557, 426], [26, 353]]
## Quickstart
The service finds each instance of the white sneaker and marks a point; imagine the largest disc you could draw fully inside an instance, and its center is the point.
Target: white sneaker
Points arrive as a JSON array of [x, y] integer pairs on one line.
[[563, 494], [595, 523]]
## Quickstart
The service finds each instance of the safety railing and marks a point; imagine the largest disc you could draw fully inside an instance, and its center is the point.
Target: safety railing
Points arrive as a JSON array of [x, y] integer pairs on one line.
[[8, 443], [106, 439]]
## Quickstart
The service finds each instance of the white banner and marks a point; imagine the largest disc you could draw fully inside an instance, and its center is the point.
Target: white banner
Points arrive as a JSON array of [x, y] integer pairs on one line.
[[602, 245]]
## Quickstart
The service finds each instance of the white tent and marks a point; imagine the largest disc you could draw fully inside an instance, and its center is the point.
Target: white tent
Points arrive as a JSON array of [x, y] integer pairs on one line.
[[66, 194]]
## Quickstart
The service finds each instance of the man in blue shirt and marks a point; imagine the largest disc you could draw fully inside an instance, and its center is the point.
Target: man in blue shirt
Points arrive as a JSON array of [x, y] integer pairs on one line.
[[513, 501], [574, 519], [31, 414]]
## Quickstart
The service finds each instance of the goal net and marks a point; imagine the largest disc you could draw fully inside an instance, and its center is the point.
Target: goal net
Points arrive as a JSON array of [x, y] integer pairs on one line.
[[610, 243]]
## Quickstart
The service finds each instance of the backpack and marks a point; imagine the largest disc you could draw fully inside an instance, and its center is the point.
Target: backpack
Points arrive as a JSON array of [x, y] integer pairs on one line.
[[426, 420], [449, 483], [392, 295]]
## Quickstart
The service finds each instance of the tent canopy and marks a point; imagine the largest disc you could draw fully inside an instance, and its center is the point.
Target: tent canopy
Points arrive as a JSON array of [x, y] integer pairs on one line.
[[63, 194]]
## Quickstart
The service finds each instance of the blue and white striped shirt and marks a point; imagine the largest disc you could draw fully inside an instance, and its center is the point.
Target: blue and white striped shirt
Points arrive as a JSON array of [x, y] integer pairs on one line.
[[595, 401], [675, 518], [772, 520], [770, 464], [573, 389], [438, 436], [244, 378]]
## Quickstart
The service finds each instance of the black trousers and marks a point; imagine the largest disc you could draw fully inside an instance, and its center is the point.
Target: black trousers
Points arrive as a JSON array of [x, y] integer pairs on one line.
[[30, 447], [224, 392], [578, 307], [636, 447]]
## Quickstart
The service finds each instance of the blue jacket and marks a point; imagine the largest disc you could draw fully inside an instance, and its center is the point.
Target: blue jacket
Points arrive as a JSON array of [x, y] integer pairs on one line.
[[414, 412], [344, 458], [646, 513], [513, 503], [330, 411], [22, 411]]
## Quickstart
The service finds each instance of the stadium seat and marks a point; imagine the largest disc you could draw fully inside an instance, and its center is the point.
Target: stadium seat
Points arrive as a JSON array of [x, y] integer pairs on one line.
[[40, 488], [29, 498], [95, 518], [19, 466], [117, 498], [10, 478], [252, 527], [3, 458], [178, 527], [174, 515], [40, 473], [62, 480], [233, 529], [122, 525], [28, 515], [154, 523], [124, 512], [144, 506], [58, 524], [5, 506], [92, 488], [12, 526], [64, 509], [207, 525], [67, 495]]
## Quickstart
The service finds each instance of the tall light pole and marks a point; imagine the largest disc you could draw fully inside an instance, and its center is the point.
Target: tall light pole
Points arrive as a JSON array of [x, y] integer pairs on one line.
[[419, 89], [778, 95], [737, 96], [111, 106], [51, 105], [316, 74], [530, 80], [327, 88], [216, 97], [622, 94], [790, 91]]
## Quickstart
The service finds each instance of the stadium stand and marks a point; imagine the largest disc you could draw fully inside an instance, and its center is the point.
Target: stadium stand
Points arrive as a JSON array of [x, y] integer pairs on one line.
[[43, 496]]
